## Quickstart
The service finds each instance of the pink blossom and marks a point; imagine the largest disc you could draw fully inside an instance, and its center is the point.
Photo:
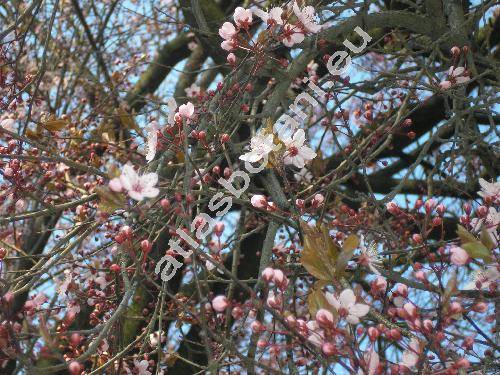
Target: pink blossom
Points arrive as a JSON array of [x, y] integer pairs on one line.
[[410, 309], [271, 18], [411, 355], [318, 200], [219, 229], [260, 146], [379, 284], [138, 187], [193, 90], [456, 76], [142, 367], [7, 124], [372, 361], [306, 18], [459, 256], [186, 110], [152, 140], [243, 17], [228, 45], [490, 190], [227, 31], [328, 348], [220, 303], [156, 337], [267, 274], [292, 35], [274, 300], [115, 184], [316, 335], [347, 307]]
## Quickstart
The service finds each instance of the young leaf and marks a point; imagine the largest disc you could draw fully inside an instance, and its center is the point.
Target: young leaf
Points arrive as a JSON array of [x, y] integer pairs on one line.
[[486, 239], [53, 124], [477, 250], [320, 253], [464, 235], [350, 243], [316, 300], [109, 200]]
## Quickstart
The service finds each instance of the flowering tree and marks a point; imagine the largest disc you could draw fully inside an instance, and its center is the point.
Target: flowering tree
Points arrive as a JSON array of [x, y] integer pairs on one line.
[[259, 187]]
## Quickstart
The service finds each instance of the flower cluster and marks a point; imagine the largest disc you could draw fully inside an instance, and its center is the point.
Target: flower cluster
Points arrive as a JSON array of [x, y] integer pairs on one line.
[[285, 25]]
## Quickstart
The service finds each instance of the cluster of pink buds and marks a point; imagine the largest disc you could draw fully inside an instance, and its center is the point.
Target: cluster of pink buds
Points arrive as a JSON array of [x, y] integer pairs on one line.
[[125, 234], [316, 202], [275, 276]]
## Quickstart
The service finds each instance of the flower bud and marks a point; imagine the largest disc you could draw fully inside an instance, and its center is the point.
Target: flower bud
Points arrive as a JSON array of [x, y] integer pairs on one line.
[[257, 327], [218, 229], [373, 333], [328, 349], [430, 204], [455, 51], [259, 201], [440, 209], [392, 207], [480, 307], [324, 318], [146, 246], [417, 238], [268, 274]]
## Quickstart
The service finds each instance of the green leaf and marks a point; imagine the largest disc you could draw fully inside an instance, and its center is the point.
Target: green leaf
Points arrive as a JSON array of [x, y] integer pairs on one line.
[[109, 200], [486, 239], [464, 235], [477, 250], [316, 300]]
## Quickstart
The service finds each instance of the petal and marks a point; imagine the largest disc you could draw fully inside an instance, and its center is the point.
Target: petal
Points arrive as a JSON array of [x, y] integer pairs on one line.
[[298, 37], [332, 300], [461, 80], [129, 177], [151, 146], [299, 137], [275, 14], [253, 157], [409, 358], [359, 309], [151, 192], [296, 9], [148, 180], [458, 71], [264, 16], [307, 153], [298, 161], [115, 184], [135, 195], [347, 298], [353, 319]]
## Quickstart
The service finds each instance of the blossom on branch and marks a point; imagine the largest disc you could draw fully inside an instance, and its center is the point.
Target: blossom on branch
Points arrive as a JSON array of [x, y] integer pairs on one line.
[[347, 307], [137, 187]]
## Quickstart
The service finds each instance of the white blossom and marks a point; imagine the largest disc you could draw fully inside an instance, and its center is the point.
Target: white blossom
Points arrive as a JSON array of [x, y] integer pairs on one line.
[[260, 146], [296, 152]]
